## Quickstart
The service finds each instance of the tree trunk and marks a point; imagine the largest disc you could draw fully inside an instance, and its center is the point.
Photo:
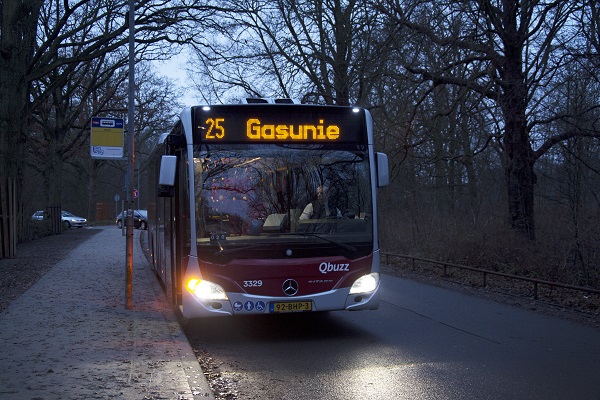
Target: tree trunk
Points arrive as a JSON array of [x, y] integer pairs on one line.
[[8, 217], [10, 162], [53, 175], [518, 158], [518, 154], [92, 189], [18, 21], [520, 180]]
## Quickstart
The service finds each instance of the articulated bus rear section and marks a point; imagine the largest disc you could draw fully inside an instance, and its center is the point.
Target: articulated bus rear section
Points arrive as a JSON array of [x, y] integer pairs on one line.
[[267, 208]]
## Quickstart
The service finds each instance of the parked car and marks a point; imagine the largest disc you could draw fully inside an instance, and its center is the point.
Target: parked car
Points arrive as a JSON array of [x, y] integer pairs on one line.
[[140, 219], [38, 216], [68, 219]]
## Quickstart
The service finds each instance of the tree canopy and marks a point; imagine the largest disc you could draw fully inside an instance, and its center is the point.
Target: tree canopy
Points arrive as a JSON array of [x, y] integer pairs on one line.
[[489, 108]]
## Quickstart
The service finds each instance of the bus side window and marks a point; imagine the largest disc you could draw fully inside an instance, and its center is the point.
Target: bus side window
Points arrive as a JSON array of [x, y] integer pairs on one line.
[[166, 191]]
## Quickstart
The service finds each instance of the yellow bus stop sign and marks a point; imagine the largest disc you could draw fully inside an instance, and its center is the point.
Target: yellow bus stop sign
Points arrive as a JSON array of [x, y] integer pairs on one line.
[[107, 138]]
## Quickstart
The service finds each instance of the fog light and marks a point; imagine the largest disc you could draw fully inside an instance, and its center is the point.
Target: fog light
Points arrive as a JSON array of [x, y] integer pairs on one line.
[[205, 290], [365, 284]]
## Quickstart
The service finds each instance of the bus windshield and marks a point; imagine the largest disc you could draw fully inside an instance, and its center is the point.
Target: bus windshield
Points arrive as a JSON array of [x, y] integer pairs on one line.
[[248, 196]]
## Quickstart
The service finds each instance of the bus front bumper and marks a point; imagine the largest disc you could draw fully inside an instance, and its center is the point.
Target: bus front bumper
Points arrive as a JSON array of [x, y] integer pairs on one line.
[[246, 304]]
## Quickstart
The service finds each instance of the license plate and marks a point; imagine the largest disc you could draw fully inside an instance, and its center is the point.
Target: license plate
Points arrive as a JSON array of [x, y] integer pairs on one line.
[[290, 306]]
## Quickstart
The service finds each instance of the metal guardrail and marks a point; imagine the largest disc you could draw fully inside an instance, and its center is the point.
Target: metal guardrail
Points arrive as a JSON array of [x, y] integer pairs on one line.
[[536, 282]]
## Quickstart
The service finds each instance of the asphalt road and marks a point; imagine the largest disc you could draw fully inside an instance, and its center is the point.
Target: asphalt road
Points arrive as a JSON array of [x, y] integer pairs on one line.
[[424, 342]]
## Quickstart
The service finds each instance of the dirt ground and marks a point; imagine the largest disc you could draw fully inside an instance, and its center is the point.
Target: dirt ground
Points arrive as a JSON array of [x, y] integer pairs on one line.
[[35, 258]]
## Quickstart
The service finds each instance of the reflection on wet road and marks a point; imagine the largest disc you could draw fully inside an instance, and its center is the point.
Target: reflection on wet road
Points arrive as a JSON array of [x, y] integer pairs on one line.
[[423, 343]]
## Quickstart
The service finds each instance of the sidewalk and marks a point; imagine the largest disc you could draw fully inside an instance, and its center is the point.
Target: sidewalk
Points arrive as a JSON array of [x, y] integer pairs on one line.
[[70, 337]]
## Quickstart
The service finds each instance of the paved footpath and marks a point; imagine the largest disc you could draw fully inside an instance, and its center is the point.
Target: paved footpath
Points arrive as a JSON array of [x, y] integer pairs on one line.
[[70, 335]]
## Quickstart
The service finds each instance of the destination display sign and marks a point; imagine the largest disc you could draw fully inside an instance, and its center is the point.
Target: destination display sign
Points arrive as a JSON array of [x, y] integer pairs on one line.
[[279, 123]]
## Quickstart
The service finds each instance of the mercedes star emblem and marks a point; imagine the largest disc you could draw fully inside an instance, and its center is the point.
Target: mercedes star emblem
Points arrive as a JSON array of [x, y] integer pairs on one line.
[[290, 287]]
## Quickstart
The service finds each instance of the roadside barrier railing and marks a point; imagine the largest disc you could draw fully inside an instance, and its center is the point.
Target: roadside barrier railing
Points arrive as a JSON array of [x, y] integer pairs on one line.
[[485, 272]]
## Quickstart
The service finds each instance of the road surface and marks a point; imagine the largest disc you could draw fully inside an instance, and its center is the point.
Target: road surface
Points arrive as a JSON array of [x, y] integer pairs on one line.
[[424, 343]]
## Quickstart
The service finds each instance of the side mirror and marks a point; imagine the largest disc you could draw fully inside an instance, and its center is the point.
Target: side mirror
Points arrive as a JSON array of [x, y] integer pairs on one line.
[[168, 165], [383, 175], [166, 178]]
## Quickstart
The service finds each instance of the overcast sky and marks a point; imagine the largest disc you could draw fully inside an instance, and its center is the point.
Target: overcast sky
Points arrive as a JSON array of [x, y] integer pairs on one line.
[[176, 70]]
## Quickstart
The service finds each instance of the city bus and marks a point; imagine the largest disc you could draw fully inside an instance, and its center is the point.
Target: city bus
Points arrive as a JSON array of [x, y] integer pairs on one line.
[[267, 206]]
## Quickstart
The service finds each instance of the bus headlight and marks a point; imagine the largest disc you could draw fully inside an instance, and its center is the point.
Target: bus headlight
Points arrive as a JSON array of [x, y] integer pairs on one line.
[[365, 284], [205, 290]]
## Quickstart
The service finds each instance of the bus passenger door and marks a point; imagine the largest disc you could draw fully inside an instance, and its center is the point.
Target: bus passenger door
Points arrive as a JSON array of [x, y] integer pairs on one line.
[[168, 189]]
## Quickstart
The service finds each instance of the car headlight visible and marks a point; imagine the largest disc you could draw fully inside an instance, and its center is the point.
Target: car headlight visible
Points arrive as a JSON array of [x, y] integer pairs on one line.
[[205, 290], [365, 284]]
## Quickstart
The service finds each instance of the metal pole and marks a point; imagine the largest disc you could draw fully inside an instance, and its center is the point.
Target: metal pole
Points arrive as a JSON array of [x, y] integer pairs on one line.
[[138, 187], [131, 161]]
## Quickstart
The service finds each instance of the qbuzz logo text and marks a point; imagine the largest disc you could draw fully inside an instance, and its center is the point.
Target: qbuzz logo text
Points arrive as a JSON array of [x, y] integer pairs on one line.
[[326, 267]]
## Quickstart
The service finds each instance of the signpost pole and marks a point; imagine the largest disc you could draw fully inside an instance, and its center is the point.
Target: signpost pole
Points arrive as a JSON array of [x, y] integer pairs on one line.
[[130, 161]]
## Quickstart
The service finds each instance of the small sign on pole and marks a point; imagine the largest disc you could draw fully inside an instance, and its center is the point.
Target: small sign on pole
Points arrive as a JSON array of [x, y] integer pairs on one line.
[[107, 138]]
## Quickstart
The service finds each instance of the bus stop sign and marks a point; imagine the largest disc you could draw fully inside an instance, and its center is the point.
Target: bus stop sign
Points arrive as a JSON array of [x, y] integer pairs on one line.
[[107, 140]]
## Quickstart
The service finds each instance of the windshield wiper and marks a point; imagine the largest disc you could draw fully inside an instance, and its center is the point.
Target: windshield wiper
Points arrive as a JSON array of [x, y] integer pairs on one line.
[[337, 243], [233, 250], [223, 251]]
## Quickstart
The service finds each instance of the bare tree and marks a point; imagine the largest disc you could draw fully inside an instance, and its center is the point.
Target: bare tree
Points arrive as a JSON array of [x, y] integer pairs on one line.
[[59, 124], [588, 51], [317, 51], [156, 106], [27, 55], [512, 50]]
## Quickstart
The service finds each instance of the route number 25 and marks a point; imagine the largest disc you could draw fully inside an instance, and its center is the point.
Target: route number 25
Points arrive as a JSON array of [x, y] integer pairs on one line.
[[215, 129]]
